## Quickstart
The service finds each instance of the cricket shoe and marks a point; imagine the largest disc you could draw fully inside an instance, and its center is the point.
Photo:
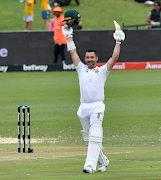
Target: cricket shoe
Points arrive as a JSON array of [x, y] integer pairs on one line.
[[102, 168], [88, 169]]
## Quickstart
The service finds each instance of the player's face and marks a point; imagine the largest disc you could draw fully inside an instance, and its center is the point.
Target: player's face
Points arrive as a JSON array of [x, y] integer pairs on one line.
[[91, 59]]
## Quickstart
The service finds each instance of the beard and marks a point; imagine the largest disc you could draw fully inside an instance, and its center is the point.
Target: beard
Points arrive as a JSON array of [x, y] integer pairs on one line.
[[91, 64]]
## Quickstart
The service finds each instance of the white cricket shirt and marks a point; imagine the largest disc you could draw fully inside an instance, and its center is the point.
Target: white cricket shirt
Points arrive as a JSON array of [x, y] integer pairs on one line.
[[91, 82]]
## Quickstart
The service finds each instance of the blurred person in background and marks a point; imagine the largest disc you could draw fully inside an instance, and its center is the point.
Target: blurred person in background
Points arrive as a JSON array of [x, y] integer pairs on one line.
[[52, 23], [59, 39], [29, 14], [45, 13], [154, 16], [64, 2]]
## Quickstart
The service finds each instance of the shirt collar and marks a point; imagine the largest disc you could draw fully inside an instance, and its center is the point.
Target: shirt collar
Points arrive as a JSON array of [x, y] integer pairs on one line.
[[91, 69]]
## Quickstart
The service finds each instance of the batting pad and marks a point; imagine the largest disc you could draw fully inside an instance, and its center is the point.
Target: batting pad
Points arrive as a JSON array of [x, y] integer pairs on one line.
[[95, 133], [94, 146], [102, 159], [85, 135]]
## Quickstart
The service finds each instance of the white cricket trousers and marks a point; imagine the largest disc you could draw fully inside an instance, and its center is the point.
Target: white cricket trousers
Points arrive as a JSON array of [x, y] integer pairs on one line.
[[91, 113]]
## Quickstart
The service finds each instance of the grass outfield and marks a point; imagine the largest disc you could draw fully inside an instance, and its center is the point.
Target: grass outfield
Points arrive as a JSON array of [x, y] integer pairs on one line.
[[94, 14], [132, 128]]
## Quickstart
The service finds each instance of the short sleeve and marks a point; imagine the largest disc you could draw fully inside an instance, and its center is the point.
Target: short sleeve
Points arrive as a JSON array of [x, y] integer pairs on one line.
[[80, 67], [104, 70]]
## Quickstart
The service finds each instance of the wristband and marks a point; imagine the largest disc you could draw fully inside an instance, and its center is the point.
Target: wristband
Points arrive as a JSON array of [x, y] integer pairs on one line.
[[70, 45], [118, 42]]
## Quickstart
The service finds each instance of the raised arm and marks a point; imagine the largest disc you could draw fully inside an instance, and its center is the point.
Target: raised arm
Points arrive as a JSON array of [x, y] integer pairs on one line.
[[68, 32], [73, 52], [119, 36], [111, 62]]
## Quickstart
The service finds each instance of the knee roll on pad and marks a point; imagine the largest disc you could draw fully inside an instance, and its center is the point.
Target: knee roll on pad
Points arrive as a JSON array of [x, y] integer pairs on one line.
[[95, 133]]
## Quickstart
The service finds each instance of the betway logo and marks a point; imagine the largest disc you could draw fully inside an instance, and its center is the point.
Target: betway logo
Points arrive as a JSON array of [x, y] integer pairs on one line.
[[3, 68], [3, 52], [119, 66], [153, 66], [34, 67], [68, 66]]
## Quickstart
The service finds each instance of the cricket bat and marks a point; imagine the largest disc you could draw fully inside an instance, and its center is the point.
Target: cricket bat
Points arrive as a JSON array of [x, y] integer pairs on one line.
[[117, 26]]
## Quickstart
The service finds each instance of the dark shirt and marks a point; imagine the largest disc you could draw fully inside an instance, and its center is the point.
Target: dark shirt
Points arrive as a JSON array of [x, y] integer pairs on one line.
[[155, 15]]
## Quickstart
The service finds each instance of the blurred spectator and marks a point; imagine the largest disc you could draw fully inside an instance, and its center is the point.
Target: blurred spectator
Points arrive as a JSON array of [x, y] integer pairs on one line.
[[140, 1], [149, 3], [29, 14], [45, 13], [154, 16], [63, 2], [52, 23], [59, 39]]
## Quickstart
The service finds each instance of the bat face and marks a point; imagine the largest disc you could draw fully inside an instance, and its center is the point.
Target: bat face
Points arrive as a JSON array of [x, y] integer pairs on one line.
[[117, 26]]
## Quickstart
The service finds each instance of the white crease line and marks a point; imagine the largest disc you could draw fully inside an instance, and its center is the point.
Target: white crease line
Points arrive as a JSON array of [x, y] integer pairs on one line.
[[56, 157], [15, 152], [134, 161], [86, 154], [122, 152]]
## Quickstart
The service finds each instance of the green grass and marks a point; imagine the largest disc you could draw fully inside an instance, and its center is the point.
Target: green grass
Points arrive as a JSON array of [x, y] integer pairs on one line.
[[132, 129], [95, 14]]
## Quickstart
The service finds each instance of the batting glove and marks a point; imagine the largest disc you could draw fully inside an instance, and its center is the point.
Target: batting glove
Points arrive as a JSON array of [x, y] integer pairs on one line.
[[67, 31], [119, 36]]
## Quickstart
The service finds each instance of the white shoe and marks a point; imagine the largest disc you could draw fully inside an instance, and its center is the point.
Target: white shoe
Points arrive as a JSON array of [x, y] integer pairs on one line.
[[103, 168], [88, 169]]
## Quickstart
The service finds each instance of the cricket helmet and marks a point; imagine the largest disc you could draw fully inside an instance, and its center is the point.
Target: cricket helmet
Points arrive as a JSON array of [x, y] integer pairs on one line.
[[71, 17]]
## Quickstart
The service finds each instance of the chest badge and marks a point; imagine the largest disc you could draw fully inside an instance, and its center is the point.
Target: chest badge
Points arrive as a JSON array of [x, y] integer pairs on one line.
[[98, 116], [96, 71]]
